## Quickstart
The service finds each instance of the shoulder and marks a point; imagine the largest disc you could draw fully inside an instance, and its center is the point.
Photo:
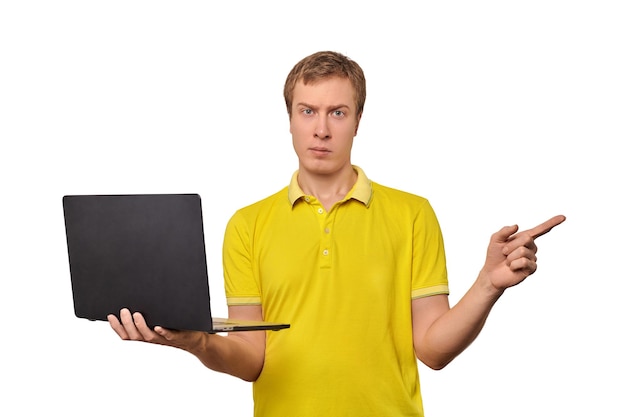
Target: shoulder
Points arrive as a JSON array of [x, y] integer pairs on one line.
[[270, 203], [402, 206], [383, 194]]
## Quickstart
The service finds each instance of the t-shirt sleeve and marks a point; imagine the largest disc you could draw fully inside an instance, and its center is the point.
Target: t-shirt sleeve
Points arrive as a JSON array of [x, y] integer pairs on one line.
[[240, 279], [430, 276]]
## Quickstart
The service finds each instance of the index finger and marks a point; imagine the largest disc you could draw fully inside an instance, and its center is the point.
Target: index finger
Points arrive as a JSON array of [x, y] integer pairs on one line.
[[117, 326], [546, 226]]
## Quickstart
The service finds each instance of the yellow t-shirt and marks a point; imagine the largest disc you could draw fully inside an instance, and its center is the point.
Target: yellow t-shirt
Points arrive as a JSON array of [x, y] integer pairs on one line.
[[344, 280]]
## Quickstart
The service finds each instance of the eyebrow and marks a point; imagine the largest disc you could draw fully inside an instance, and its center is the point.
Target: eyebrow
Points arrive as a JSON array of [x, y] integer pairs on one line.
[[334, 106]]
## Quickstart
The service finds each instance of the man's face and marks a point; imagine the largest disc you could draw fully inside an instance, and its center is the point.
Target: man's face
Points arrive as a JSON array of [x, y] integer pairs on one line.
[[323, 125]]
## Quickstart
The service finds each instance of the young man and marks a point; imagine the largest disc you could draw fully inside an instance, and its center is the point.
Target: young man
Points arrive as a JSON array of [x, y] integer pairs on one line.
[[358, 269]]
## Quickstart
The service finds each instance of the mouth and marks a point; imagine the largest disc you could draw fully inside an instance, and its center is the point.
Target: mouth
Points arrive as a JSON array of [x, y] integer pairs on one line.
[[319, 150]]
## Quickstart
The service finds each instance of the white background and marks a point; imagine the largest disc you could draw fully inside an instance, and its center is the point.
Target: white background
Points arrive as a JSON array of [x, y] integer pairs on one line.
[[497, 112]]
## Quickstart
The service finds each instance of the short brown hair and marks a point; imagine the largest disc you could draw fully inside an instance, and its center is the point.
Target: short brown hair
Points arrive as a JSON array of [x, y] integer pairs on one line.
[[326, 64]]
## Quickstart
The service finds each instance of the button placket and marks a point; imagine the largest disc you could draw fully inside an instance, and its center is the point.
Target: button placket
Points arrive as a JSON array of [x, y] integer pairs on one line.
[[324, 220], [326, 239]]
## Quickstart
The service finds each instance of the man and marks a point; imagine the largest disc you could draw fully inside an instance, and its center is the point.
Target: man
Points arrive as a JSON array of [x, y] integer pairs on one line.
[[358, 269]]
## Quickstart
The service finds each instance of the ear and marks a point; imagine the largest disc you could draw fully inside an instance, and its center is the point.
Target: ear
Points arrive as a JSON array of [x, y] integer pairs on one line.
[[358, 120]]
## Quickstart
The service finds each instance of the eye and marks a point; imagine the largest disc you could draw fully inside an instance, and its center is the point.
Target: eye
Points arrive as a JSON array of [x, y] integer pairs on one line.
[[307, 112], [338, 113]]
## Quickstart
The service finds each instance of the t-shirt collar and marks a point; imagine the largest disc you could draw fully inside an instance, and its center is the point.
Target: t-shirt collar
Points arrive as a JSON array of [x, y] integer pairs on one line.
[[361, 191]]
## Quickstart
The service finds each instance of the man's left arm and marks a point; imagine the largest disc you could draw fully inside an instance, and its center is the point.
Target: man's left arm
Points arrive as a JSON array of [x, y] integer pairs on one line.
[[441, 333]]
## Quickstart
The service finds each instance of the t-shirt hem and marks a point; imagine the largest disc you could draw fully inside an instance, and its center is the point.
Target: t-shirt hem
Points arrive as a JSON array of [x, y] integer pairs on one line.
[[243, 301], [428, 291]]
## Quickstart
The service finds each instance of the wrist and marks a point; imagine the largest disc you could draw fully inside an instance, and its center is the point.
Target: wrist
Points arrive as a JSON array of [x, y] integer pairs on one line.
[[485, 283]]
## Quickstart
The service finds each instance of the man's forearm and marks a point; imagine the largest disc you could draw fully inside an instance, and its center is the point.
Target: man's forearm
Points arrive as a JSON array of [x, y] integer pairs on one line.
[[234, 354], [455, 330]]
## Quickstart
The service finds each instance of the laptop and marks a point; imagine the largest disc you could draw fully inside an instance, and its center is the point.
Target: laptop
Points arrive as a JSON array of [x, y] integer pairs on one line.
[[144, 252]]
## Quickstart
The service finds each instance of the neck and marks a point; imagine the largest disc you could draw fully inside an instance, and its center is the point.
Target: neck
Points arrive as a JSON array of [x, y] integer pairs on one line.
[[328, 188]]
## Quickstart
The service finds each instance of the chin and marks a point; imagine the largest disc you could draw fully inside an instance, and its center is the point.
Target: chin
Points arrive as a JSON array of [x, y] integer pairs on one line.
[[320, 167]]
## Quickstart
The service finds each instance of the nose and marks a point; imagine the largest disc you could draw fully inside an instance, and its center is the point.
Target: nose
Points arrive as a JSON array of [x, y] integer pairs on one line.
[[321, 129]]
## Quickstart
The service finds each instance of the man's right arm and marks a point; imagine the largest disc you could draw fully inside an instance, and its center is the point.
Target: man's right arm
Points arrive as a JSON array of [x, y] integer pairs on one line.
[[240, 354]]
